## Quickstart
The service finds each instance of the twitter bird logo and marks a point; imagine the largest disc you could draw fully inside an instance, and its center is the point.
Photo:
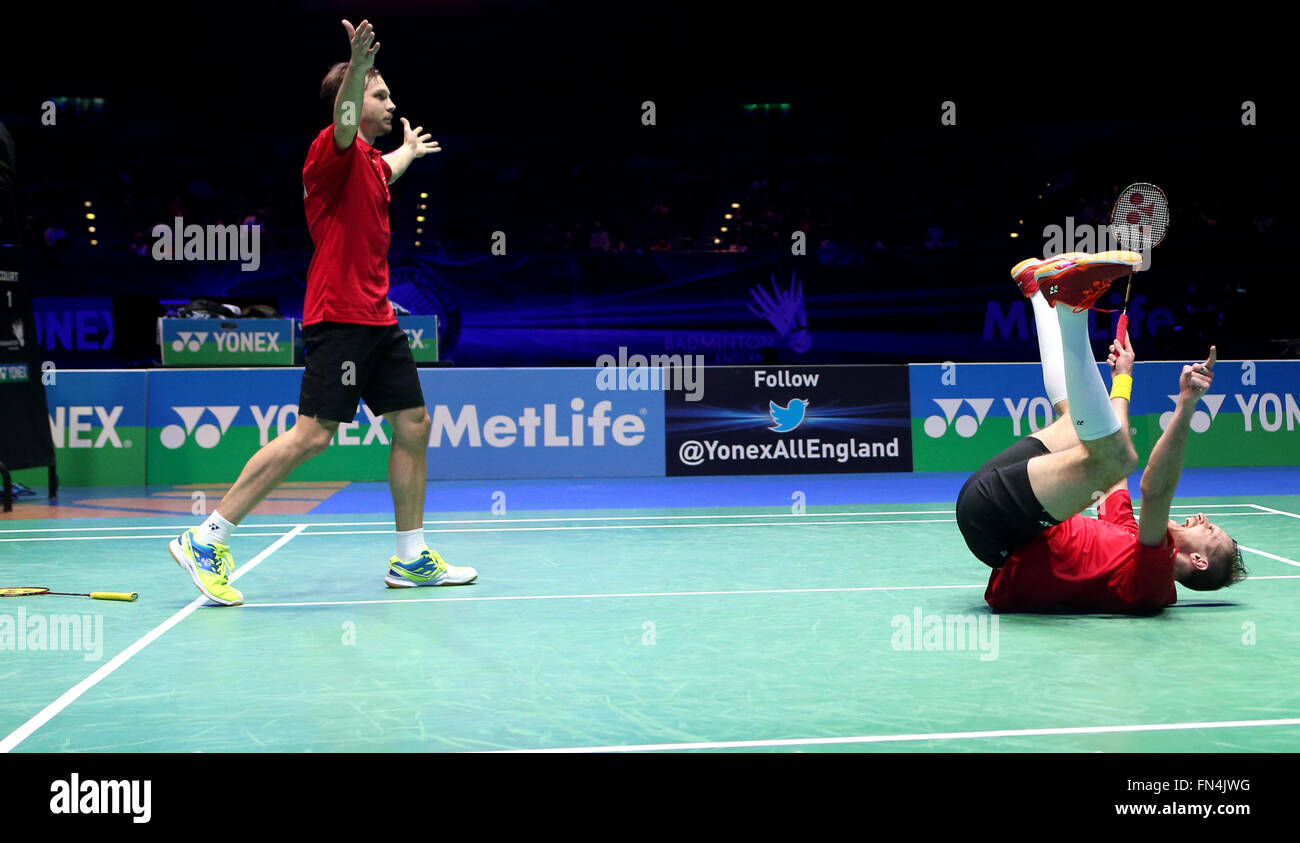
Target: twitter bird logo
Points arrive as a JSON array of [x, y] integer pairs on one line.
[[787, 418]]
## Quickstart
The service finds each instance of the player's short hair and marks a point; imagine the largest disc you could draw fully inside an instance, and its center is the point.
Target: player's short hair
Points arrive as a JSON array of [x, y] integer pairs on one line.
[[1227, 568], [329, 86]]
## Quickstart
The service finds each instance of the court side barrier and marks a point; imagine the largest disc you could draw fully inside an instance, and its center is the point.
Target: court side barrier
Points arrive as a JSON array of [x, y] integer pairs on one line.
[[135, 427], [964, 413]]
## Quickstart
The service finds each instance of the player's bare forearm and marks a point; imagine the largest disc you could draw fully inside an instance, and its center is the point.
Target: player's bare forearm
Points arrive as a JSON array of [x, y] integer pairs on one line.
[[399, 159], [347, 106], [352, 92], [1166, 462]]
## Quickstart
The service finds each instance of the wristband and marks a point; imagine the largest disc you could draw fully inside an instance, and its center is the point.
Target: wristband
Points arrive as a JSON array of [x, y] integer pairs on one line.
[[1122, 387]]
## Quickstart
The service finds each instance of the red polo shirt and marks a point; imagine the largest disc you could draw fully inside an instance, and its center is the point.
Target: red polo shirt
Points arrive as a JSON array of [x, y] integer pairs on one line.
[[1089, 564], [346, 197]]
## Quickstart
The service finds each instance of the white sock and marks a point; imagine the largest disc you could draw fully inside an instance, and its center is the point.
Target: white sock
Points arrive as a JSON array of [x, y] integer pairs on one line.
[[1090, 408], [1049, 348], [214, 529], [410, 544]]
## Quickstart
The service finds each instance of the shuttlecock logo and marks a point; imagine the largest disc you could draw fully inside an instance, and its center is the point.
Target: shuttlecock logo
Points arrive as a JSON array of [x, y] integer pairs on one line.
[[789, 417], [206, 435]]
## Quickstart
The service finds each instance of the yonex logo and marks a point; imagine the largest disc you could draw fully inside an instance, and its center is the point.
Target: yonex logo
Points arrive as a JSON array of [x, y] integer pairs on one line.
[[189, 340], [965, 425], [282, 418], [67, 424], [1201, 420], [248, 341], [207, 435], [413, 336]]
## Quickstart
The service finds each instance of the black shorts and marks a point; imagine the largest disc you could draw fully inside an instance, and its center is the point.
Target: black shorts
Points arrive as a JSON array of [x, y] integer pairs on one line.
[[997, 511], [382, 372]]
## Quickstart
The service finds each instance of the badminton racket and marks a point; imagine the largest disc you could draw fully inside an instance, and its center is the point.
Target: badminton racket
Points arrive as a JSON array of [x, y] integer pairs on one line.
[[33, 591], [1139, 222]]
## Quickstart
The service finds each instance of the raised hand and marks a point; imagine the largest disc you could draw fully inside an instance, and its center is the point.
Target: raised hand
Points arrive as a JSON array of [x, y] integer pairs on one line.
[[419, 144], [1121, 356], [364, 46], [1196, 380]]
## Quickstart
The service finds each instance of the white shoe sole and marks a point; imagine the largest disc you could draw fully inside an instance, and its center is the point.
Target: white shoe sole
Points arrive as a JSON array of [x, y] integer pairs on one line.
[[178, 553], [398, 582]]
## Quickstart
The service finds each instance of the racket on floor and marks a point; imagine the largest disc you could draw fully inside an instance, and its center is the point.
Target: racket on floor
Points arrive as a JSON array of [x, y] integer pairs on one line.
[[35, 591], [1139, 221]]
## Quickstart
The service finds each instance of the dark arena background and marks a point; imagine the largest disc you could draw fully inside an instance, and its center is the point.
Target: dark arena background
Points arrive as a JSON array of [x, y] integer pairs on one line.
[[713, 316]]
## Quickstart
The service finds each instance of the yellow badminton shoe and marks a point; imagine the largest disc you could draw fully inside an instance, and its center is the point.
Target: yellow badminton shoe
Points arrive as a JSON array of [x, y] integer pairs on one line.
[[209, 566], [429, 568]]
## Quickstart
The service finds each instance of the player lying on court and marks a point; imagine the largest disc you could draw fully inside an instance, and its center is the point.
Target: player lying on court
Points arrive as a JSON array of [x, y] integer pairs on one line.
[[1021, 512], [355, 350]]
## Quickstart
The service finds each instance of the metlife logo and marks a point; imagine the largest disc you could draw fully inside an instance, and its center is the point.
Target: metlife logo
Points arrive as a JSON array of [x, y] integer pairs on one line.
[[539, 423], [792, 420], [550, 429]]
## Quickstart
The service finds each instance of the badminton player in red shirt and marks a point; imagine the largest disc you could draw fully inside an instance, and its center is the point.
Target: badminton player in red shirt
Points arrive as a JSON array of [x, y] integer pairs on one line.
[[1021, 512], [354, 348]]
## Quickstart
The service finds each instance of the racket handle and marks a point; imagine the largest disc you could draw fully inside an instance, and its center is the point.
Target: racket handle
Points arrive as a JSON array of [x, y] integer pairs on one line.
[[129, 597], [1121, 329]]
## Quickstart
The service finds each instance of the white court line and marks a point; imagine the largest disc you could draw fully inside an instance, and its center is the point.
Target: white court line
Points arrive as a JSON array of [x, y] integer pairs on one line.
[[627, 594], [932, 736], [491, 520], [591, 518], [69, 696], [1275, 511], [123, 538], [672, 526], [504, 529], [1270, 556], [755, 591], [634, 527], [548, 529]]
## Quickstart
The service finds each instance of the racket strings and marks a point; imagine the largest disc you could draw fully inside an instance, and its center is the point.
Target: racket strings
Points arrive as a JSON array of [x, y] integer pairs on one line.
[[1141, 217], [22, 591]]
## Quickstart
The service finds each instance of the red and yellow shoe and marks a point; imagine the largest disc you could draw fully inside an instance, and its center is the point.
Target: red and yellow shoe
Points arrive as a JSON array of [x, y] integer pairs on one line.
[[1080, 281], [1023, 272]]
